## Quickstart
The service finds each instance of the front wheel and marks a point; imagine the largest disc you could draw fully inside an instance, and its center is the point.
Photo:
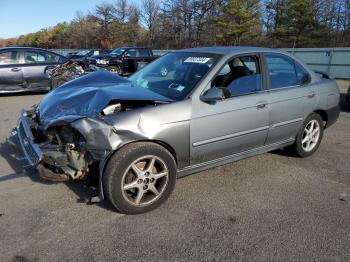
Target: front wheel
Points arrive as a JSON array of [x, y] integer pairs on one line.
[[139, 177], [309, 137], [115, 70]]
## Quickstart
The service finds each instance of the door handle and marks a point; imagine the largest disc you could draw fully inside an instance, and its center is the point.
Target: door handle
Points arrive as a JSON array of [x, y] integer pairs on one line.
[[261, 105], [15, 69], [311, 95]]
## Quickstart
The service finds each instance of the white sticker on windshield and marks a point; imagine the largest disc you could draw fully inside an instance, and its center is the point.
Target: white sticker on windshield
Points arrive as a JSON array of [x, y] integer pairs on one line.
[[180, 88], [200, 60]]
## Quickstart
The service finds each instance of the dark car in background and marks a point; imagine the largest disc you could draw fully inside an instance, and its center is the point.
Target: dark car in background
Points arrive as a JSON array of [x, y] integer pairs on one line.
[[24, 68], [124, 60], [83, 56]]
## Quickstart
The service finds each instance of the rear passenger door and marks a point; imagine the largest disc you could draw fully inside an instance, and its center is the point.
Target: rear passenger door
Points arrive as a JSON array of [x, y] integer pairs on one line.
[[289, 96], [11, 76]]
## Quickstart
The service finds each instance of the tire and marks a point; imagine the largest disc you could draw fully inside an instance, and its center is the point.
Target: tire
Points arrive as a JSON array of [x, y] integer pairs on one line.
[[131, 181], [301, 148], [115, 70]]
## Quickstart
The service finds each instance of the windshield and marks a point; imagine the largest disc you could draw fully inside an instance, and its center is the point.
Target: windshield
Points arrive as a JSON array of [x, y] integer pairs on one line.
[[174, 75], [104, 52], [84, 52], [118, 51]]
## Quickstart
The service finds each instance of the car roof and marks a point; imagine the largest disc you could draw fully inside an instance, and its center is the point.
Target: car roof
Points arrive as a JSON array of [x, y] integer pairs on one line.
[[23, 47], [27, 47], [225, 50]]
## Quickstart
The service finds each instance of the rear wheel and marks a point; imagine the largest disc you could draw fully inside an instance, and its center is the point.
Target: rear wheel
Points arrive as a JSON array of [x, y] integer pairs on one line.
[[139, 177], [309, 137]]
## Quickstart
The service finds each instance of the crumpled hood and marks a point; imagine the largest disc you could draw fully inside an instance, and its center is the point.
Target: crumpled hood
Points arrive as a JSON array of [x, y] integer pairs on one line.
[[88, 95]]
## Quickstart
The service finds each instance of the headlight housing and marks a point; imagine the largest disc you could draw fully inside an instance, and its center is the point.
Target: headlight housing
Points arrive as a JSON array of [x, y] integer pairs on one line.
[[102, 61]]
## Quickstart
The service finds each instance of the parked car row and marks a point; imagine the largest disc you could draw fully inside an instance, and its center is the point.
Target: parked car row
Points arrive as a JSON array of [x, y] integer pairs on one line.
[[122, 61], [34, 69], [82, 57]]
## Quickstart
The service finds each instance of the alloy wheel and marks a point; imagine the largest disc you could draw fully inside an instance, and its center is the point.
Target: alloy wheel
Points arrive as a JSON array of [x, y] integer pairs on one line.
[[145, 180], [311, 136]]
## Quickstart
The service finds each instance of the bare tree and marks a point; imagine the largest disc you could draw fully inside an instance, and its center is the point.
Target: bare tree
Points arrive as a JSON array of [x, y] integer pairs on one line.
[[150, 17], [122, 10], [104, 15]]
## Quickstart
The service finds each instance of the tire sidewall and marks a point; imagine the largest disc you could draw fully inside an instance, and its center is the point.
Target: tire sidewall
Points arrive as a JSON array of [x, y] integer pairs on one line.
[[299, 147], [117, 166]]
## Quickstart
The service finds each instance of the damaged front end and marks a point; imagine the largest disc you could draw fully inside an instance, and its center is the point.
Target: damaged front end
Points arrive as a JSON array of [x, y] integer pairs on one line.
[[73, 130], [59, 153]]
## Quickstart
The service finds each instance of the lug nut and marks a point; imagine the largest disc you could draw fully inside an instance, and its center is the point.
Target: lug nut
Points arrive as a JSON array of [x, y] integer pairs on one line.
[[147, 174], [145, 187], [152, 180], [139, 181]]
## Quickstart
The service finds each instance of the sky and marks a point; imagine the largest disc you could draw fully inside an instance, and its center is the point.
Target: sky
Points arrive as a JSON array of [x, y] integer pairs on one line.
[[18, 17]]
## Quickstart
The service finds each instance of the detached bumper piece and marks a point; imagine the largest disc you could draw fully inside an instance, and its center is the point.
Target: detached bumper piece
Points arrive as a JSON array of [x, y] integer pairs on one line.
[[30, 149]]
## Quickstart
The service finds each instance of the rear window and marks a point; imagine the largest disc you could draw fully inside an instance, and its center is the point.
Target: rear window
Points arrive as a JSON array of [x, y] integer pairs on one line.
[[9, 57]]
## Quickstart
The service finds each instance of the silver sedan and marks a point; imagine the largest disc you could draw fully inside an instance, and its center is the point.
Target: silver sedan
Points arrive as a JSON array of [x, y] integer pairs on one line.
[[188, 111]]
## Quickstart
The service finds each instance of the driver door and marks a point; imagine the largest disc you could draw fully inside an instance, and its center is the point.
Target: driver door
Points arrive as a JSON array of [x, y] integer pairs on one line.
[[129, 60], [236, 124]]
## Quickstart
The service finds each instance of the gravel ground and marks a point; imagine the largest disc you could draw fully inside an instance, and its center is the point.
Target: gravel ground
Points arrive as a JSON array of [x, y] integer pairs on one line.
[[271, 207]]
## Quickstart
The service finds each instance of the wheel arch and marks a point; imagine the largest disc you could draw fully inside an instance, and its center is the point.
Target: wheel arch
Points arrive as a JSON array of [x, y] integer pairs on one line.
[[323, 115], [104, 162]]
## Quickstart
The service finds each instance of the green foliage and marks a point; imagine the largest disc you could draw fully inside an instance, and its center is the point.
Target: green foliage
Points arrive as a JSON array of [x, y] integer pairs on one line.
[[168, 24], [240, 19], [296, 22]]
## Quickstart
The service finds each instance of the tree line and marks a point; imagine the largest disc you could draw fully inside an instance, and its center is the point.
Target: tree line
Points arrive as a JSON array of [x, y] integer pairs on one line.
[[173, 24]]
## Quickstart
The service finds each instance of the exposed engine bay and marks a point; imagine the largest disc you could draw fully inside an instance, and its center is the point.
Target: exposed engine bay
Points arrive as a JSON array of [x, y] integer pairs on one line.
[[78, 126], [65, 154]]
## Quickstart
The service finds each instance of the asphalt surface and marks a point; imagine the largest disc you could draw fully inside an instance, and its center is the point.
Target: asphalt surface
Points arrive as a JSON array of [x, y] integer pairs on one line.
[[271, 207]]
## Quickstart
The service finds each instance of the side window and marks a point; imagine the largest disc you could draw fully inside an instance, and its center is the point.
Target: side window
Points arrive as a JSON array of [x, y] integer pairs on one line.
[[52, 58], [225, 70], [144, 53], [131, 53], [9, 57], [31, 57], [281, 71], [240, 76]]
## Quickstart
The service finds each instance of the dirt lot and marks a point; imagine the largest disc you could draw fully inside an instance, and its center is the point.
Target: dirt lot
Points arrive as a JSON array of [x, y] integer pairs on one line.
[[272, 207]]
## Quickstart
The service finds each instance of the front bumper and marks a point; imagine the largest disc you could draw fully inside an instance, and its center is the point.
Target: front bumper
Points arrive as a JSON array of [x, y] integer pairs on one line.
[[31, 150]]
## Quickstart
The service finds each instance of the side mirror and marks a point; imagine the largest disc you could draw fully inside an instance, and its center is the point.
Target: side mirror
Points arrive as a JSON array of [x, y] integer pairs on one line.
[[126, 55], [305, 79], [212, 95]]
